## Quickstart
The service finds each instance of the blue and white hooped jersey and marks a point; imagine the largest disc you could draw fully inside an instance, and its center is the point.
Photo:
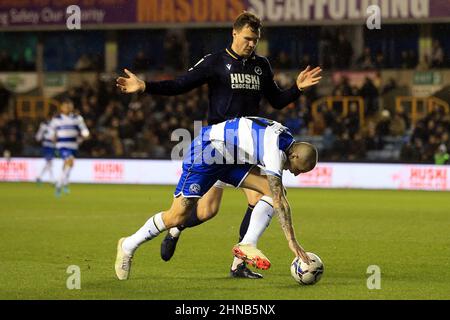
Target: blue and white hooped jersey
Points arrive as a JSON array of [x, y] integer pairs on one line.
[[67, 128], [252, 140], [45, 135]]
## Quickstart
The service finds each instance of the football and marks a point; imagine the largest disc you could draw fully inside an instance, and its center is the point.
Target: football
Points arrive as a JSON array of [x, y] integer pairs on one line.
[[307, 274]]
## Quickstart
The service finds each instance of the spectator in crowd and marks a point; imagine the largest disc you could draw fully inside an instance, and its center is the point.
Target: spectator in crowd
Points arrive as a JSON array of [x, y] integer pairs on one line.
[[5, 95], [283, 61], [292, 120], [390, 85], [175, 50], [351, 121], [329, 139], [343, 88], [430, 148], [404, 60], [380, 62], [141, 61], [437, 55], [370, 94], [365, 61], [424, 63], [441, 156], [357, 150], [397, 127], [336, 122], [84, 63], [304, 107], [341, 147], [326, 48], [412, 59], [87, 108], [24, 61], [317, 125], [408, 59], [445, 137], [344, 52], [430, 132], [11, 132], [6, 62], [384, 124], [372, 140], [305, 61], [412, 152]]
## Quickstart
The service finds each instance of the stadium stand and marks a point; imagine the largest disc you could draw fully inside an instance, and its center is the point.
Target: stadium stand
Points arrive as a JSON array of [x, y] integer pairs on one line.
[[363, 120]]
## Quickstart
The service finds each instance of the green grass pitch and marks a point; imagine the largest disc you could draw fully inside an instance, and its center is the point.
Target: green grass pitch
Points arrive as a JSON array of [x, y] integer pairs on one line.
[[405, 233]]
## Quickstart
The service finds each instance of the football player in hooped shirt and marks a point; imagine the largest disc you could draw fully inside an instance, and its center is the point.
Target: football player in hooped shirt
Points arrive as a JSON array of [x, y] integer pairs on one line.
[[237, 80], [231, 151]]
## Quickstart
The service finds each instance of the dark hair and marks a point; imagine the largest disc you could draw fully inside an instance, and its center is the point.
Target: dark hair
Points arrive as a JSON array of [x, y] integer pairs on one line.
[[66, 99], [247, 19]]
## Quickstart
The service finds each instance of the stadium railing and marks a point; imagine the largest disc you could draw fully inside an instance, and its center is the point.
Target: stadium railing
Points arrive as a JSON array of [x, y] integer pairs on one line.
[[419, 106], [344, 101], [35, 107]]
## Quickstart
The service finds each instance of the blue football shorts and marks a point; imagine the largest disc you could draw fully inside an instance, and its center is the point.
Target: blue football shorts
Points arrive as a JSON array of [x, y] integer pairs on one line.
[[65, 153], [199, 174], [48, 153]]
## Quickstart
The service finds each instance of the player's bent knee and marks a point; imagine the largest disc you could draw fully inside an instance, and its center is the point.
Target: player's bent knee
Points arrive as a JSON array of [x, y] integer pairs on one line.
[[69, 162], [267, 199], [253, 197]]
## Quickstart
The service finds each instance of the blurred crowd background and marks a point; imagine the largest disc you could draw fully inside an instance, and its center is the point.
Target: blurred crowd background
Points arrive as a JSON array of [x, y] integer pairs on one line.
[[140, 126]]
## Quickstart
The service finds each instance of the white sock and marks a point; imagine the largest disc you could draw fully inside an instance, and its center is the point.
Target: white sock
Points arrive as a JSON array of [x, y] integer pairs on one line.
[[151, 229], [236, 262], [259, 221], [66, 175], [44, 170], [60, 181], [50, 171], [175, 232]]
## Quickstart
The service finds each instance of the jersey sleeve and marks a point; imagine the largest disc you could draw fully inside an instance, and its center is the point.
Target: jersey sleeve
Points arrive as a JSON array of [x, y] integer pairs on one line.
[[84, 131], [274, 163], [195, 77], [52, 127], [277, 97], [40, 133], [274, 158]]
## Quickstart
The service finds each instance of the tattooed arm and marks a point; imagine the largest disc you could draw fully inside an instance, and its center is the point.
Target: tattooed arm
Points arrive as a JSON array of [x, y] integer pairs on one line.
[[283, 211]]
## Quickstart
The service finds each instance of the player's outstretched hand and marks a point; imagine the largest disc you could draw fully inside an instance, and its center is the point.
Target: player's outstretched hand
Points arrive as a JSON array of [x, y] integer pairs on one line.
[[131, 84], [308, 77], [299, 252]]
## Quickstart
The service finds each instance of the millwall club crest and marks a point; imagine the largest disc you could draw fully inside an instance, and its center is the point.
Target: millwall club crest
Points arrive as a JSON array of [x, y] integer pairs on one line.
[[258, 70], [194, 188]]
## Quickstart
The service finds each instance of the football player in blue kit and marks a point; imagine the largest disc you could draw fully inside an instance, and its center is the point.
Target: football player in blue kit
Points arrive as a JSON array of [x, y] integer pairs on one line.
[[237, 80], [234, 152]]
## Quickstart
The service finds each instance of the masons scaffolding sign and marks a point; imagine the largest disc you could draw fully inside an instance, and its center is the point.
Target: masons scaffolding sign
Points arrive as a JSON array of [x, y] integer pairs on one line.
[[307, 11], [135, 13]]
